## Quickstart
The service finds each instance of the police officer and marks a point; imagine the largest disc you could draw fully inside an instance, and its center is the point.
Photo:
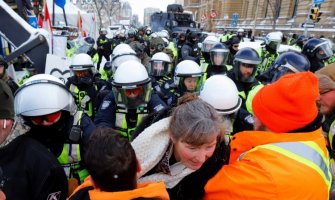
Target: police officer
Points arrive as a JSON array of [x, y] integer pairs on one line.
[[104, 48], [190, 50], [218, 58], [83, 83], [5, 77], [160, 74], [269, 53], [92, 51], [243, 74], [233, 45], [188, 78], [317, 51], [49, 109], [287, 62], [180, 42], [130, 101]]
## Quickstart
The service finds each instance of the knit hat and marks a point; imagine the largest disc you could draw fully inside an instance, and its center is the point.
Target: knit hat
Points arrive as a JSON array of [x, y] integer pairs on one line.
[[6, 102], [289, 103], [326, 77]]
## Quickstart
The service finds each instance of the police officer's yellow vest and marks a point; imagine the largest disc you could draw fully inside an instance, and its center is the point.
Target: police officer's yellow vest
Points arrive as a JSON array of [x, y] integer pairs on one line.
[[79, 96], [121, 122], [70, 157]]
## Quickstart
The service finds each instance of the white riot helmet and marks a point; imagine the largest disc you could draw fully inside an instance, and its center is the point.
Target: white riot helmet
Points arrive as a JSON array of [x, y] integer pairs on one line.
[[121, 55], [43, 94], [118, 47], [160, 64], [273, 40], [209, 42], [221, 92], [131, 85], [82, 68], [188, 69], [164, 34]]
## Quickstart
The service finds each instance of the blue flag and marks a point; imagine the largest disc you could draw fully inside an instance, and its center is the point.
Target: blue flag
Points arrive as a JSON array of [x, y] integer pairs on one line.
[[60, 3]]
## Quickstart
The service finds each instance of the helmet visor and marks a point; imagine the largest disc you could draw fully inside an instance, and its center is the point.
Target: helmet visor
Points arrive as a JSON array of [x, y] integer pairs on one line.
[[206, 47], [132, 97], [121, 59], [323, 51], [219, 58], [159, 68], [42, 98], [274, 45]]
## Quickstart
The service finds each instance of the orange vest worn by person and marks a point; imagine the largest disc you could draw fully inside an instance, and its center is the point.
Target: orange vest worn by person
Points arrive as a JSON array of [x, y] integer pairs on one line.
[[146, 190], [266, 165]]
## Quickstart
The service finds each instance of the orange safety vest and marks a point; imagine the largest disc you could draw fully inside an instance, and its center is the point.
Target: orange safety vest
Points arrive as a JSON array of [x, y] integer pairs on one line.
[[146, 190], [266, 165]]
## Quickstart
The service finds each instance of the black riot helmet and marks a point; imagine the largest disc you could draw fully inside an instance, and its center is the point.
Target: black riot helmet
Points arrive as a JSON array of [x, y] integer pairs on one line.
[[317, 51], [249, 58], [289, 62]]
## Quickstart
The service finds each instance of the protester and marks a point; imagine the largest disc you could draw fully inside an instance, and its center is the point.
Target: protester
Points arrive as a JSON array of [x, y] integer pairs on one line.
[[27, 169], [184, 150], [286, 156], [112, 164]]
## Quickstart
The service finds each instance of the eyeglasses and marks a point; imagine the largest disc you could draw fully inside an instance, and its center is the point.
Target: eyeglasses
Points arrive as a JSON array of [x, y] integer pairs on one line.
[[132, 93], [50, 118]]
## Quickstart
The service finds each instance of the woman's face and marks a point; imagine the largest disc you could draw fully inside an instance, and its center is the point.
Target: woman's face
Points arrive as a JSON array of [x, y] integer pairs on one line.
[[190, 83], [194, 156]]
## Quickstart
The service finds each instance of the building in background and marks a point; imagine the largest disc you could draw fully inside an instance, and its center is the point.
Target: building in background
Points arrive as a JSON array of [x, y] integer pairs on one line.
[[289, 14]]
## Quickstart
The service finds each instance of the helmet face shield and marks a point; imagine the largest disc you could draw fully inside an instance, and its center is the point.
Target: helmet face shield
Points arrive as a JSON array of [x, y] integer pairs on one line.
[[159, 68], [323, 51], [190, 83], [207, 46], [219, 58], [274, 45], [132, 97]]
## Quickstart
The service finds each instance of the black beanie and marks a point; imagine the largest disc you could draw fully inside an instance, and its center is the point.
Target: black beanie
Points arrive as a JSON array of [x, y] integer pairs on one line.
[[6, 102]]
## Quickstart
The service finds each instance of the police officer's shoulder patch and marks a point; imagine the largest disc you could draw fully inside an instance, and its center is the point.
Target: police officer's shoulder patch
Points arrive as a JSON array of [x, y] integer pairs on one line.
[[105, 104]]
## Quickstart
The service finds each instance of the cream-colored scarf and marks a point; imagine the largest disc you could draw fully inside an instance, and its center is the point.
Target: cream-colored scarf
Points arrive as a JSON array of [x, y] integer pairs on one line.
[[150, 146]]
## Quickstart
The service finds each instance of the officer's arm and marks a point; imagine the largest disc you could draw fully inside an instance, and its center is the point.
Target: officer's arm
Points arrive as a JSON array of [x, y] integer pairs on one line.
[[105, 116], [185, 53], [156, 103]]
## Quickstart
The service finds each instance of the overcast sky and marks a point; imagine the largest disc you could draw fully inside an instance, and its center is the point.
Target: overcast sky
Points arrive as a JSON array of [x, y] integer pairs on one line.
[[139, 5]]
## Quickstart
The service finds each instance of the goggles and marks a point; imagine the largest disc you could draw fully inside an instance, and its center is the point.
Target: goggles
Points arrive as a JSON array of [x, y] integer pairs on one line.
[[247, 65], [133, 93], [50, 118]]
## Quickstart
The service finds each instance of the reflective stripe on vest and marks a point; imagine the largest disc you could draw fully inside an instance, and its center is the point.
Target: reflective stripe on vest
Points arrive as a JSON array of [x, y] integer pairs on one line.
[[121, 124], [307, 153], [78, 96]]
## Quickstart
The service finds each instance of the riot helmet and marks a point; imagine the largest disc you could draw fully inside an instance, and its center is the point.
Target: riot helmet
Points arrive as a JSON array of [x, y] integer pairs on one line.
[[188, 76], [245, 64], [121, 55], [82, 68], [273, 40], [41, 95], [208, 43], [219, 54], [289, 62], [131, 85], [221, 92], [317, 48], [160, 64]]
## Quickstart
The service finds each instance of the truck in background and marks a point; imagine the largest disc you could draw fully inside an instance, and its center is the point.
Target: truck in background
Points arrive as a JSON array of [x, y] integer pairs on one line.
[[175, 20]]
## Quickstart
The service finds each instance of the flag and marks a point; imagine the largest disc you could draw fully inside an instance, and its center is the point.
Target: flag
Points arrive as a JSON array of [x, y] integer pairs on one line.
[[80, 25], [40, 21], [60, 3], [214, 14], [47, 21]]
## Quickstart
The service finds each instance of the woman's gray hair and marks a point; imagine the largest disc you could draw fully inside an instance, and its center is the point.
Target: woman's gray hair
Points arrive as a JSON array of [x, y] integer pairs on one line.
[[194, 122]]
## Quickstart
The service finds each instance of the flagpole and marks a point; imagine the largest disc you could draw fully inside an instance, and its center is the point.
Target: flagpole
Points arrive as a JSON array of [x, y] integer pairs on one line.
[[64, 16], [53, 12]]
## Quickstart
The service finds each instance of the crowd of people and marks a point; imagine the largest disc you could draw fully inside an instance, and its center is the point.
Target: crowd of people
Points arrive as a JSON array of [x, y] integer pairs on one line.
[[167, 118]]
